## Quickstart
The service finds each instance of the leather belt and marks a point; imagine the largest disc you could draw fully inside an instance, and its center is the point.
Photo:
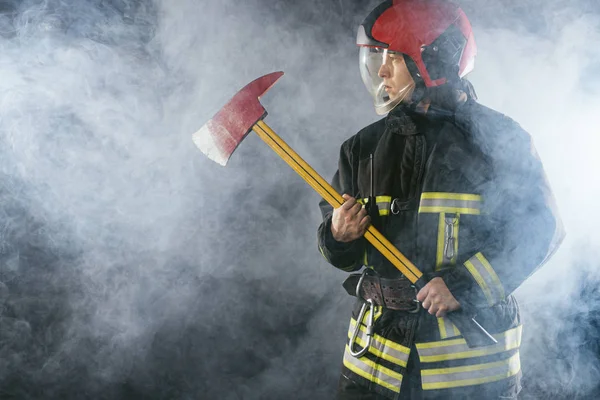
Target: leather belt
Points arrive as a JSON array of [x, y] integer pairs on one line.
[[395, 294]]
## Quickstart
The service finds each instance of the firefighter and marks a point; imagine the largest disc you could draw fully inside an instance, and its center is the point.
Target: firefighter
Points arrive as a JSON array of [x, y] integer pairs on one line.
[[459, 190]]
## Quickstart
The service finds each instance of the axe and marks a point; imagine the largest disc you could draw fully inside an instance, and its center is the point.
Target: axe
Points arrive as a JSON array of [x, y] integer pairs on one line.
[[220, 136]]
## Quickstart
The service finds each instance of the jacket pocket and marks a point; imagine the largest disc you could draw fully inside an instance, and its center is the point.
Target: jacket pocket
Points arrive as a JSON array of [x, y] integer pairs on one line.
[[449, 207]]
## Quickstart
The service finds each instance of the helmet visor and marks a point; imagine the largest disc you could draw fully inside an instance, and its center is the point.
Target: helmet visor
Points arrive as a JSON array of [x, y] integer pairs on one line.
[[385, 76]]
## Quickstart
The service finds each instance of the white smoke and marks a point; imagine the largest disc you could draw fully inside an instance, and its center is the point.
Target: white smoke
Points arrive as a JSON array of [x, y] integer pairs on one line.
[[545, 81]]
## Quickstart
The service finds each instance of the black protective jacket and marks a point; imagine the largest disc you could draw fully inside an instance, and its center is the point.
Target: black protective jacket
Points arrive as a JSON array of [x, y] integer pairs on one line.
[[464, 196]]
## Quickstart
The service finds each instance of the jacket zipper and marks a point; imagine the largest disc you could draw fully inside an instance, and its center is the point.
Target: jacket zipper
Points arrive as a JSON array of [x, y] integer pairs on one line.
[[450, 236]]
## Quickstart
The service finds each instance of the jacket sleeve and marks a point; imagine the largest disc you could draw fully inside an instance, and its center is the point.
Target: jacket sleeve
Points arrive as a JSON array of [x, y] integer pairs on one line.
[[345, 256], [521, 228]]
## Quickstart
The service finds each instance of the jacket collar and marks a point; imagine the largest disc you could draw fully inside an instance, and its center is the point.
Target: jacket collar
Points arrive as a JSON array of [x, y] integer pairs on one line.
[[400, 122], [402, 118]]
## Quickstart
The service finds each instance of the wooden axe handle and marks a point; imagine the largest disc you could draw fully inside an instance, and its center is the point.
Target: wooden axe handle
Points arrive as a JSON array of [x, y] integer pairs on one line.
[[335, 199]]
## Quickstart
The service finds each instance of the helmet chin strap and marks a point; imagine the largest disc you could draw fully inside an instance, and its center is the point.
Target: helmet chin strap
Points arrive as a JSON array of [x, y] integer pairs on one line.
[[382, 109], [385, 108]]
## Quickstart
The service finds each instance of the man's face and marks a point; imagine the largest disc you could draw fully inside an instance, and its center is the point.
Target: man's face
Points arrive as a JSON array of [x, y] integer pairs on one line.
[[396, 78]]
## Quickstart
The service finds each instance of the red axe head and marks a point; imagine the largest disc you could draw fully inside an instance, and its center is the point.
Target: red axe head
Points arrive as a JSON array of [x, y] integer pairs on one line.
[[220, 136]]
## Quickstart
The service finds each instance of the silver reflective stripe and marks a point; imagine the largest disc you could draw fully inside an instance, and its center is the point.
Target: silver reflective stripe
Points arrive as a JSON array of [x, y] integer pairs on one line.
[[486, 277], [374, 372], [383, 204], [381, 347], [456, 349], [474, 205], [384, 207], [447, 328], [444, 378], [457, 203]]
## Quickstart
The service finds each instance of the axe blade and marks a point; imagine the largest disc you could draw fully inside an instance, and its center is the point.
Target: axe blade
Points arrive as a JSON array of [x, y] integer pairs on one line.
[[220, 136]]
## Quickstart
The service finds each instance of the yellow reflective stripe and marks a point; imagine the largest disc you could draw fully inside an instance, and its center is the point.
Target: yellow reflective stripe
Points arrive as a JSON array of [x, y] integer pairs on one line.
[[455, 210], [457, 349], [486, 278], [480, 281], [445, 343], [383, 199], [381, 339], [450, 196], [396, 346], [378, 199], [444, 378], [447, 328], [442, 326], [456, 236], [510, 334], [347, 269], [458, 203], [374, 372], [378, 312], [379, 352], [494, 277], [322, 253], [378, 347], [383, 204], [439, 259]]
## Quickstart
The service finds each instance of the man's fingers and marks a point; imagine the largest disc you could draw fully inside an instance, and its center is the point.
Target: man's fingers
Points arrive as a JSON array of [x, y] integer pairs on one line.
[[349, 203], [364, 223], [422, 295], [441, 313], [433, 309], [426, 303], [355, 208], [361, 214]]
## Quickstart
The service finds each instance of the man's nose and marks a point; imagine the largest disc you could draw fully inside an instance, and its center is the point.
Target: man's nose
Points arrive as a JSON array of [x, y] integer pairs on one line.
[[384, 71]]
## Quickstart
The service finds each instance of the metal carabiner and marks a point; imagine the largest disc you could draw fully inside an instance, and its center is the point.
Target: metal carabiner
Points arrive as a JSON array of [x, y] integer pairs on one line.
[[417, 302], [360, 281], [361, 315], [394, 207]]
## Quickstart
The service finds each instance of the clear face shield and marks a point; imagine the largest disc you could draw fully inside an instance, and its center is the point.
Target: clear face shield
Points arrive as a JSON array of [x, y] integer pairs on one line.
[[386, 77]]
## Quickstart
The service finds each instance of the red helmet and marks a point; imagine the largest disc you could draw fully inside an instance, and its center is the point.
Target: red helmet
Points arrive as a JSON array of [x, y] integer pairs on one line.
[[435, 35]]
